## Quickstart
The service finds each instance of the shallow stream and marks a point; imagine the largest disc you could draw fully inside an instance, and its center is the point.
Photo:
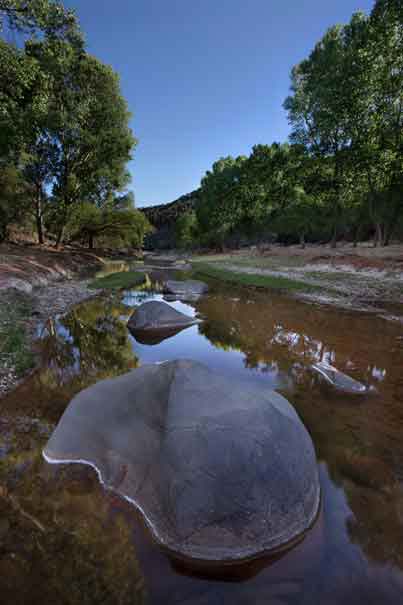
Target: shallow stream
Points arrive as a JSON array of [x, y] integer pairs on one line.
[[64, 540]]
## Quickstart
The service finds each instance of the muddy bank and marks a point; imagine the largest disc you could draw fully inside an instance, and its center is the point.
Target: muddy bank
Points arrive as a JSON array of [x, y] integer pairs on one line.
[[25, 267]]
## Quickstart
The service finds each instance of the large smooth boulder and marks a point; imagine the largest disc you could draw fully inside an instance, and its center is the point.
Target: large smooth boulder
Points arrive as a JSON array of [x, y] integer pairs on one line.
[[189, 289], [340, 381], [221, 469], [154, 315]]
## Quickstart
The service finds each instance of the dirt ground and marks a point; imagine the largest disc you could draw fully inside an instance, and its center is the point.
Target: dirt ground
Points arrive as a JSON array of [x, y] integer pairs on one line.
[[364, 255], [24, 267], [364, 278]]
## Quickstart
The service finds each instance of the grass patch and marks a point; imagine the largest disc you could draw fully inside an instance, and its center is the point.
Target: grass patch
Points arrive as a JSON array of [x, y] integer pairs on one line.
[[276, 282], [15, 350], [119, 281]]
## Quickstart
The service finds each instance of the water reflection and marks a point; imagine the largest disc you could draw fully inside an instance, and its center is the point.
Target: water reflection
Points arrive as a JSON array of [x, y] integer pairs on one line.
[[354, 554]]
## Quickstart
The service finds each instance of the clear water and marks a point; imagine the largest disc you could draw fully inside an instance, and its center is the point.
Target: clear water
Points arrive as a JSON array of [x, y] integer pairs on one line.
[[64, 540]]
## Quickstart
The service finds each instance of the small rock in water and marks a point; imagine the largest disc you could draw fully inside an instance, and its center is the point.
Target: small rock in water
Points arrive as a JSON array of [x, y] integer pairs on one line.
[[188, 289], [157, 315], [154, 321], [339, 380]]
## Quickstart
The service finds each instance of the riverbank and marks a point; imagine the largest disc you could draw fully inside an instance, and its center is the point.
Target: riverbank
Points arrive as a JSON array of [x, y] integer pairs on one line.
[[35, 285], [361, 278]]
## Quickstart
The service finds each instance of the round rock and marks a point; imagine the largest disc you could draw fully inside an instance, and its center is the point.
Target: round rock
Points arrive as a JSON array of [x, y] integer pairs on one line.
[[156, 315], [189, 289], [221, 469]]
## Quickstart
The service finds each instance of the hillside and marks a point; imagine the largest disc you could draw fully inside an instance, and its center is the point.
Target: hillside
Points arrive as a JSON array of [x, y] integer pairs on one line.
[[163, 218]]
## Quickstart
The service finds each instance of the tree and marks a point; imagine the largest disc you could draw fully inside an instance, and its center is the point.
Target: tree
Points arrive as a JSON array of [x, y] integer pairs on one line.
[[13, 194], [217, 211], [317, 112], [386, 28], [120, 226], [187, 231], [48, 17], [85, 131], [346, 107], [19, 77]]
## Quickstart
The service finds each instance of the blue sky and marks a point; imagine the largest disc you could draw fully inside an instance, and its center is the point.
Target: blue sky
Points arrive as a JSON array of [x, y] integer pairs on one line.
[[203, 78]]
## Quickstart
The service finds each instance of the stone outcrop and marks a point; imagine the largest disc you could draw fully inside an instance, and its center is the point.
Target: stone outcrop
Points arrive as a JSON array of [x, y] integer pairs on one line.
[[221, 469]]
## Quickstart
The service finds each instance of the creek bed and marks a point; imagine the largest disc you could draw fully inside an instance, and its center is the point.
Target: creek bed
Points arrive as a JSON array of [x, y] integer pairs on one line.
[[64, 540]]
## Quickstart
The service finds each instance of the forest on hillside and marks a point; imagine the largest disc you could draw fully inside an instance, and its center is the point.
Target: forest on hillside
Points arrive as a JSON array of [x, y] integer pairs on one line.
[[341, 173], [65, 139]]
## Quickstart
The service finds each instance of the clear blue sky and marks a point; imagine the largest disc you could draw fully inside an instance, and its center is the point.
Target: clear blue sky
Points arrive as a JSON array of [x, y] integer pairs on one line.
[[203, 78]]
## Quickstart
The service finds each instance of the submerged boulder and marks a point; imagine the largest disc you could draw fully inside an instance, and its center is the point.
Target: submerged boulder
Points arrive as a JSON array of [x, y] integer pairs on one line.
[[188, 289], [154, 315], [221, 469], [338, 380]]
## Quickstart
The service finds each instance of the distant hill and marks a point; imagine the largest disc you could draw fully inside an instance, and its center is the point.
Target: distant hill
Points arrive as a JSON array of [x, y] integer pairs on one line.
[[164, 216]]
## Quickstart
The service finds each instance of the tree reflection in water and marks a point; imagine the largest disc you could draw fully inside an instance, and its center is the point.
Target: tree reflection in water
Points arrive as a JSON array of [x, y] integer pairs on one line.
[[90, 343]]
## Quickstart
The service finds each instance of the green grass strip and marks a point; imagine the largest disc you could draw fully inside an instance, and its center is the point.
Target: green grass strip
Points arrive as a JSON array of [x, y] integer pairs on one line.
[[276, 282], [119, 281]]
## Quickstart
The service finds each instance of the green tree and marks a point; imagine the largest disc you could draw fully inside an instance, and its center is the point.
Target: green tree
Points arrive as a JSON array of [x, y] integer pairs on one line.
[[317, 110], [48, 17], [187, 231], [13, 194], [217, 211], [19, 77], [89, 223], [86, 133]]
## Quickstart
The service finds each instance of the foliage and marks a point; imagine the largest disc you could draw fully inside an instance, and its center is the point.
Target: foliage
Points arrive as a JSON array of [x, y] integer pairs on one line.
[[48, 17], [109, 224], [64, 124], [342, 173], [346, 107], [187, 231], [13, 192]]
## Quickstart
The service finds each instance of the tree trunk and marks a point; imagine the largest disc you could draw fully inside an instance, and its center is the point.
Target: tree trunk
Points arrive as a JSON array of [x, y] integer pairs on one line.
[[59, 237], [90, 241], [39, 219], [356, 236], [333, 242], [378, 235], [302, 240]]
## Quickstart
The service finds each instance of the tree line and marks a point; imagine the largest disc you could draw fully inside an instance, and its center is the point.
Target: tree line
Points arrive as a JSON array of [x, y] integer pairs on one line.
[[65, 139], [340, 174]]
